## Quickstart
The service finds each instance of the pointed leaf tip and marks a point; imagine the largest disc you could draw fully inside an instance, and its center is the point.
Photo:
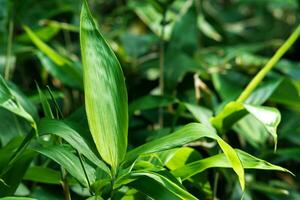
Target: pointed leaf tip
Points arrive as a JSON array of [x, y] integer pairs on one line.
[[105, 92]]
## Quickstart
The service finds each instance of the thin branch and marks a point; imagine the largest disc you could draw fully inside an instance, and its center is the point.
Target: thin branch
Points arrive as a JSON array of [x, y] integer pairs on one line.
[[270, 64]]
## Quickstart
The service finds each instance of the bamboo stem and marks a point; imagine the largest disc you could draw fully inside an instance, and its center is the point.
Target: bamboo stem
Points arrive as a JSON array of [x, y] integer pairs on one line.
[[270, 64]]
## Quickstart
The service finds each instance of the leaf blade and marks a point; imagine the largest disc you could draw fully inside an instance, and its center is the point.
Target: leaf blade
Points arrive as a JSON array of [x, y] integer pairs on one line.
[[107, 113]]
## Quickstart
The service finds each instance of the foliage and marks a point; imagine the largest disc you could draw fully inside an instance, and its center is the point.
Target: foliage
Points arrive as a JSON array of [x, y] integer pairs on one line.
[[165, 99]]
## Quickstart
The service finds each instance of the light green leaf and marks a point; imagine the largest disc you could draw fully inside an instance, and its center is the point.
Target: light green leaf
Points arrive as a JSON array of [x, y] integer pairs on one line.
[[153, 18], [269, 117], [234, 161], [184, 135], [207, 29], [9, 102], [61, 72], [201, 114], [55, 57], [59, 128], [58, 65], [234, 111], [182, 156], [248, 162], [105, 92], [253, 131], [44, 33], [230, 114]]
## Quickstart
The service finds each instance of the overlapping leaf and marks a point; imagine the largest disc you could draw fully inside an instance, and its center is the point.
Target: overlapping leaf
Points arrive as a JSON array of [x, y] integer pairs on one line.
[[184, 135], [62, 130], [248, 162], [233, 111]]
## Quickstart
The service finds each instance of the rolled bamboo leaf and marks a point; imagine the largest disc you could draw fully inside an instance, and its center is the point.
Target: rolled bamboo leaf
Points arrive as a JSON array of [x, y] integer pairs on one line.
[[105, 92]]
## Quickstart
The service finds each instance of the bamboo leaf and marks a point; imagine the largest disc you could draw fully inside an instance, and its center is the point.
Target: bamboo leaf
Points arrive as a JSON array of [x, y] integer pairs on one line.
[[248, 162], [233, 111], [63, 156], [184, 135], [42, 175], [105, 92], [8, 185], [64, 131], [207, 29], [175, 189], [9, 102], [59, 66]]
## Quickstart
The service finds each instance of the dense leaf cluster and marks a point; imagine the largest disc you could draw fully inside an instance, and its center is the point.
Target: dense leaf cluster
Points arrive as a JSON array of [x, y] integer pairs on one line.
[[153, 99]]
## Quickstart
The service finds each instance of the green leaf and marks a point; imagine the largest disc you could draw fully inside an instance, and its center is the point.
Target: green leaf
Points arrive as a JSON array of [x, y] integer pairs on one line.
[[8, 185], [253, 131], [248, 162], [45, 104], [61, 72], [269, 117], [105, 92], [59, 128], [59, 66], [148, 13], [44, 33], [55, 57], [263, 92], [14, 126], [168, 184], [207, 29], [182, 156], [234, 161], [234, 111], [10, 102], [287, 94], [42, 175], [64, 157], [230, 114], [201, 114], [184, 135]]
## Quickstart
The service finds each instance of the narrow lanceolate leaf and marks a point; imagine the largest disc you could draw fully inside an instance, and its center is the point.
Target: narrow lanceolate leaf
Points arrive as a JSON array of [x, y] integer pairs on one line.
[[248, 162], [153, 191], [62, 130], [184, 135], [105, 92], [64, 156], [59, 66]]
